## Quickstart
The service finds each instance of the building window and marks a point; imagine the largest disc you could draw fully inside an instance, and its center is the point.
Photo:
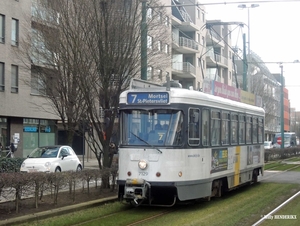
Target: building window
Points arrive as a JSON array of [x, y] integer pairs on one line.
[[14, 32], [37, 85], [149, 42], [149, 13], [159, 17], [159, 45], [14, 78], [203, 17], [2, 76], [166, 48], [198, 38], [159, 73], [198, 13], [149, 73], [167, 21], [2, 28]]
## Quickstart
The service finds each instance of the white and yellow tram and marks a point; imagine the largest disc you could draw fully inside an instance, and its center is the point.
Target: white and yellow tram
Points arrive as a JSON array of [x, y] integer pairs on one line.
[[179, 145]]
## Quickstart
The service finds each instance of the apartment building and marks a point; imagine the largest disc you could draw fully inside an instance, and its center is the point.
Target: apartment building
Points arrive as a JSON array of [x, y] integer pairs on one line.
[[26, 119], [201, 49]]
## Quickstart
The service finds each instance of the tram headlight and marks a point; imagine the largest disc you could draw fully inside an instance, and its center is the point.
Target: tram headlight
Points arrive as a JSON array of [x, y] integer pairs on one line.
[[143, 164]]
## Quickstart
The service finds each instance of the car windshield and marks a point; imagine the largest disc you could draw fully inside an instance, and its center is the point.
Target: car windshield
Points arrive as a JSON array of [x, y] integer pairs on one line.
[[153, 127], [44, 152]]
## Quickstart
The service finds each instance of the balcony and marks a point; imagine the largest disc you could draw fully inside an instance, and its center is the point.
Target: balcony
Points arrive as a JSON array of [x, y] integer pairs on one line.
[[184, 45], [213, 39], [185, 26], [212, 59], [183, 70]]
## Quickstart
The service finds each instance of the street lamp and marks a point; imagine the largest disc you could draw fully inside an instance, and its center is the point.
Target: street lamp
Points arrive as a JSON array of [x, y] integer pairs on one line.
[[244, 6]]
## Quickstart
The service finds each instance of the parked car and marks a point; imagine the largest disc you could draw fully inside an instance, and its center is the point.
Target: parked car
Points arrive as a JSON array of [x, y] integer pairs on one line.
[[268, 145], [54, 158]]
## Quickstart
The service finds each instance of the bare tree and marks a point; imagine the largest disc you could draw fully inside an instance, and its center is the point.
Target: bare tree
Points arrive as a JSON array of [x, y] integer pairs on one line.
[[113, 36], [83, 54], [264, 85], [56, 62]]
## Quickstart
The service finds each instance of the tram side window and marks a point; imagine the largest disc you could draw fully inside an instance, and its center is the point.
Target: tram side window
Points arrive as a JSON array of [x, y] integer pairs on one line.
[[205, 127], [254, 130], [242, 129], [248, 129], [260, 130], [225, 128], [215, 128], [194, 135], [234, 129]]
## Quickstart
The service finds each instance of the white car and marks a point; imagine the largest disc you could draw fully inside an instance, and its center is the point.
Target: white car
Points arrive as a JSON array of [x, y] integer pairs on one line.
[[54, 158], [268, 145]]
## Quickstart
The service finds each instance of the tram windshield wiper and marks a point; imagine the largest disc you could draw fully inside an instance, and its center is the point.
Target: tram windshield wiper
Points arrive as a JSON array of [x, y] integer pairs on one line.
[[145, 142]]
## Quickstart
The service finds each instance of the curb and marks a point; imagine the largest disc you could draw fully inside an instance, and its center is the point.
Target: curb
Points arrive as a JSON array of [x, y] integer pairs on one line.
[[57, 211]]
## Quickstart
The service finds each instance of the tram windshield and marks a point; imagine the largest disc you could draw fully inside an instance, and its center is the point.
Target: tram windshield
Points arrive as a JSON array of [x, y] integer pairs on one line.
[[151, 127]]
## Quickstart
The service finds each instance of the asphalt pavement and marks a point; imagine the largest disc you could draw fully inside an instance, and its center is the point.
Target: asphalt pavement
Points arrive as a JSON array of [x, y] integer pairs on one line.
[[288, 177]]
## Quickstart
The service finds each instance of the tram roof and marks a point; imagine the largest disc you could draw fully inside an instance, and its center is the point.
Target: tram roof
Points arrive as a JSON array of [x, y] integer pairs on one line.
[[193, 97]]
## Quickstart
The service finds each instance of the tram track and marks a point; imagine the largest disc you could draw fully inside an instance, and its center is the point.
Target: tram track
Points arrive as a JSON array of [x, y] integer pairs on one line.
[[117, 215], [151, 218], [267, 216]]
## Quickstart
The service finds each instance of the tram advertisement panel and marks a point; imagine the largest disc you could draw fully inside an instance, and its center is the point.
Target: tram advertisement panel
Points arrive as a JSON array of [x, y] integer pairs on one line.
[[219, 160], [253, 154]]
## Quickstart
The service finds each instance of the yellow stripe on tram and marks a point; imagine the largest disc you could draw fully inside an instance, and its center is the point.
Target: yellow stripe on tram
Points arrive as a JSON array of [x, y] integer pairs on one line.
[[237, 166]]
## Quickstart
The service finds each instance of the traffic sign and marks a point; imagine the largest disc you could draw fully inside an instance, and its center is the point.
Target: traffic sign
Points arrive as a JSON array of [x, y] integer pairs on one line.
[[279, 140]]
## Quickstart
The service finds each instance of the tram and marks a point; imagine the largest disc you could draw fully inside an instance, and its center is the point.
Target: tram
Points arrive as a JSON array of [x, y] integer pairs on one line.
[[178, 145]]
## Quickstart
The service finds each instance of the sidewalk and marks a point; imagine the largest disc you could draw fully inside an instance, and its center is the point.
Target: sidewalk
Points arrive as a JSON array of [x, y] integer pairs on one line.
[[90, 163]]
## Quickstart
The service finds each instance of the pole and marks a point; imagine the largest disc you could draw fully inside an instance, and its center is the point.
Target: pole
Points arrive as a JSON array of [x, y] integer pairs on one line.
[[249, 77], [144, 41], [281, 108], [245, 66], [249, 32]]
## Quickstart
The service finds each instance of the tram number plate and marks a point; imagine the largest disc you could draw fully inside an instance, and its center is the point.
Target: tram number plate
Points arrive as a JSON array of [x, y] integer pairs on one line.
[[143, 173]]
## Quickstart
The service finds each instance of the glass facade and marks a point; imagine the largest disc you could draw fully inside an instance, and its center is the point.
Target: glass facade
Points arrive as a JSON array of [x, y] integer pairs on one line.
[[37, 133]]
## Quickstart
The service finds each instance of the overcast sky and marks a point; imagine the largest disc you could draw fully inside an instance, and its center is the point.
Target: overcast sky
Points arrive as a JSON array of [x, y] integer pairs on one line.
[[274, 35]]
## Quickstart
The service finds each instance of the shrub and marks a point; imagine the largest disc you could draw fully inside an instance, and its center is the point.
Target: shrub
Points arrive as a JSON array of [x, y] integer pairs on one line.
[[10, 164]]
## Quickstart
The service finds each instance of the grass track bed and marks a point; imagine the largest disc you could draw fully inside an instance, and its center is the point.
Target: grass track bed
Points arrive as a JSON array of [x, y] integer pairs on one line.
[[242, 207]]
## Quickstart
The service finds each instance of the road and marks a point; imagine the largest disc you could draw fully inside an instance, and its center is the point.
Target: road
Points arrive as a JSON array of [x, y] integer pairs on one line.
[[280, 177]]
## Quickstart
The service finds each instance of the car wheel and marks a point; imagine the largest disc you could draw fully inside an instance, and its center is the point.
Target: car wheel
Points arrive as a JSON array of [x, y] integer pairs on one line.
[[78, 168], [57, 170]]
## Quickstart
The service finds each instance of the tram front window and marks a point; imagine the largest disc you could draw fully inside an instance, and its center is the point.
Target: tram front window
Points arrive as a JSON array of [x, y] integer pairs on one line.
[[153, 127]]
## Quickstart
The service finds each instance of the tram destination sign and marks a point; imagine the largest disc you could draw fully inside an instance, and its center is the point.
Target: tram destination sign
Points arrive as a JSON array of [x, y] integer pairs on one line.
[[148, 98]]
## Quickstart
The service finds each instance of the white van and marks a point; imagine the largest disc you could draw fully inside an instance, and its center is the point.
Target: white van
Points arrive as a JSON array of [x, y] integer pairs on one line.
[[289, 140]]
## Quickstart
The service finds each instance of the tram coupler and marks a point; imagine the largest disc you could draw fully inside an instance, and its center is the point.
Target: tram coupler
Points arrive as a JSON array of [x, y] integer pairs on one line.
[[136, 189]]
